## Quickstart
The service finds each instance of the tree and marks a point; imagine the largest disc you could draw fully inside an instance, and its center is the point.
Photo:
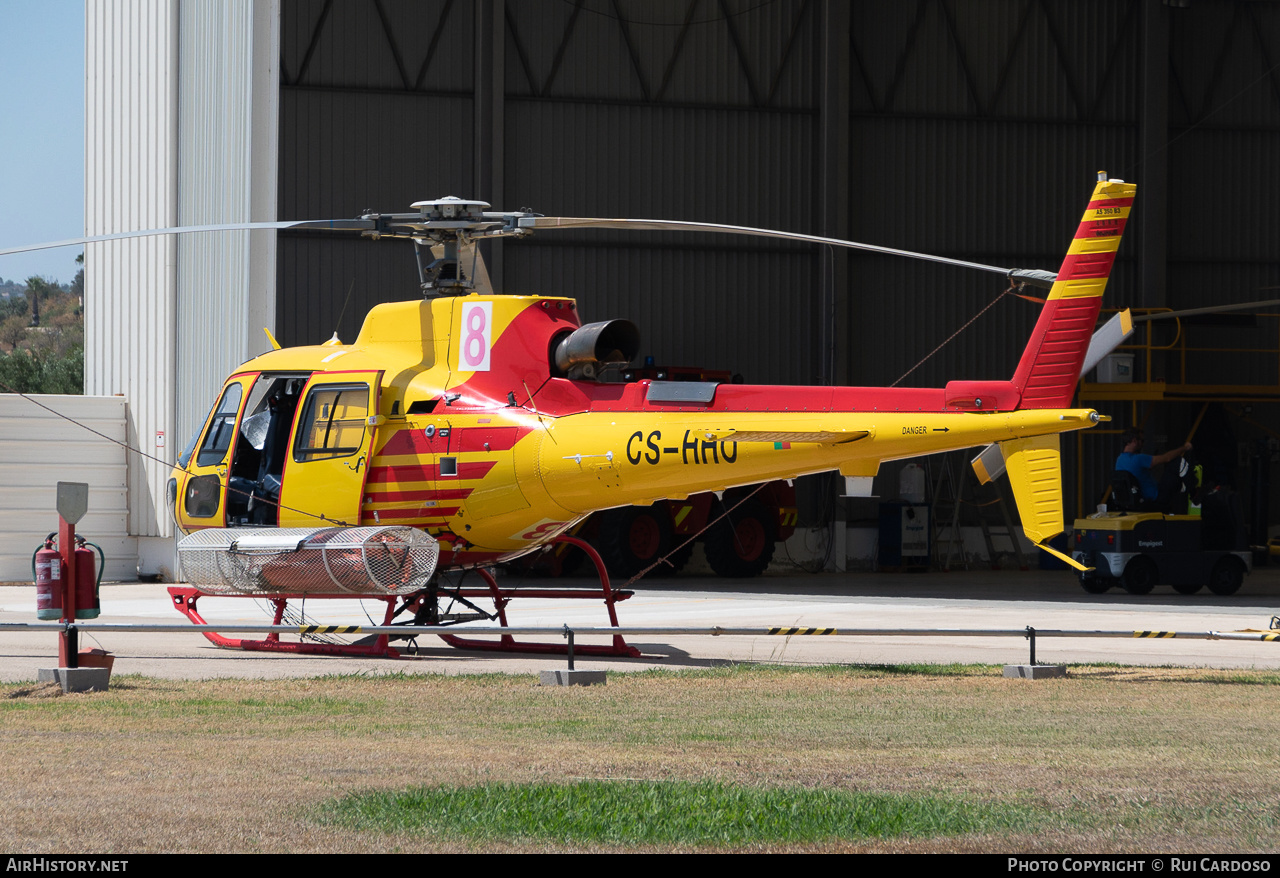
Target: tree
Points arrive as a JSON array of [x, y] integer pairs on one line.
[[20, 373], [37, 289], [14, 306], [77, 284], [13, 331]]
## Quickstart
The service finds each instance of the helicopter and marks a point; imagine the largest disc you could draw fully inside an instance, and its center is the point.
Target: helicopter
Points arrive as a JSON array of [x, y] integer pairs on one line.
[[493, 423]]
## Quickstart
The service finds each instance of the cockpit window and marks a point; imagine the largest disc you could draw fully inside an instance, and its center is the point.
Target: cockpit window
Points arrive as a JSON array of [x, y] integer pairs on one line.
[[221, 429], [333, 422], [185, 457]]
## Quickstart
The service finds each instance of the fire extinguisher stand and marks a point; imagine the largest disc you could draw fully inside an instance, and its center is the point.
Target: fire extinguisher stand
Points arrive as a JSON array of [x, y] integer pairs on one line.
[[73, 502]]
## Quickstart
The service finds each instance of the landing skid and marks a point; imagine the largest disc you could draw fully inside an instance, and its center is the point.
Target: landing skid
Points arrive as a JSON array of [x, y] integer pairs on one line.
[[185, 599]]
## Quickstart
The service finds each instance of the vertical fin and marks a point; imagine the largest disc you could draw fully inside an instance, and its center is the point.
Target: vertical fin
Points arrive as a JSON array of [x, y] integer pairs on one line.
[[1050, 367], [1035, 474]]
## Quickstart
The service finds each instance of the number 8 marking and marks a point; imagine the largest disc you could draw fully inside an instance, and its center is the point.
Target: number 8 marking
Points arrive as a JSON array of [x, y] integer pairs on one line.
[[475, 343], [477, 317]]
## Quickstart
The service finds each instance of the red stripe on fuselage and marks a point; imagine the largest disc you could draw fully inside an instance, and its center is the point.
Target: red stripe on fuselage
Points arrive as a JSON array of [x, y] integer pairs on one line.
[[428, 472], [498, 438], [418, 496]]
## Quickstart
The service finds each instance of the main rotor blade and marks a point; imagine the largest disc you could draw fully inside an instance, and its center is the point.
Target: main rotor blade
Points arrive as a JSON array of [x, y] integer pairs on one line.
[[1213, 309], [337, 225], [573, 222]]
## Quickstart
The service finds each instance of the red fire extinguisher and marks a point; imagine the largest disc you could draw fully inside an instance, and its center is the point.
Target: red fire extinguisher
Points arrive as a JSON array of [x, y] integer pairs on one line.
[[48, 571]]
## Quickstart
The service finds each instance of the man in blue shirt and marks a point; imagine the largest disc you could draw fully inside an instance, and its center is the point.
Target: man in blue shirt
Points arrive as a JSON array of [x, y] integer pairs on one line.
[[1132, 460]]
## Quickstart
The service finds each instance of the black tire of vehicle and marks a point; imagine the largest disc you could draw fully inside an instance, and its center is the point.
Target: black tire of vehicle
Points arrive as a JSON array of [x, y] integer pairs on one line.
[[1188, 587], [632, 538], [741, 544], [1095, 584], [1140, 575], [1227, 576]]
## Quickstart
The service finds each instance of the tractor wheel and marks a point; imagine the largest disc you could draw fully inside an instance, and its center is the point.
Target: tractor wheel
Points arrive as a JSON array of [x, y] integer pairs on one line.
[[1140, 575], [740, 545], [633, 538], [1095, 584], [1227, 576]]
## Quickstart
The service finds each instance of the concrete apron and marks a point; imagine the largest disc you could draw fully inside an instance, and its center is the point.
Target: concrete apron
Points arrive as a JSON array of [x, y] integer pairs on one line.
[[966, 599]]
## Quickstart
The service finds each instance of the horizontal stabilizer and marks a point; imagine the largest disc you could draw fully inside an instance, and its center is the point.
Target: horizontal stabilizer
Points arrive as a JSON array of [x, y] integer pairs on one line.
[[989, 465], [1107, 339]]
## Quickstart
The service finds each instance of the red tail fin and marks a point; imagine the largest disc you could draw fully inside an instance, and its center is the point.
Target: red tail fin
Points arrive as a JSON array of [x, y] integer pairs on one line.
[[1050, 366]]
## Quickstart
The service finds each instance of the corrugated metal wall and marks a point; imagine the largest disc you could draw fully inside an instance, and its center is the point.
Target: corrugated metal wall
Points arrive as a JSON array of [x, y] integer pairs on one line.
[[38, 450], [973, 130], [167, 319], [1224, 114], [977, 128], [601, 117], [375, 113], [227, 124], [130, 176]]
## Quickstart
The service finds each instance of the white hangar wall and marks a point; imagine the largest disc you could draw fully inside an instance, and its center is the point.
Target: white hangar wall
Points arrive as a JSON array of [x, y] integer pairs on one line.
[[180, 129], [38, 449]]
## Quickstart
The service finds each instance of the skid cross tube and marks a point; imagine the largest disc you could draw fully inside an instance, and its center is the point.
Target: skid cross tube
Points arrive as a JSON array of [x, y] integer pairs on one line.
[[501, 597]]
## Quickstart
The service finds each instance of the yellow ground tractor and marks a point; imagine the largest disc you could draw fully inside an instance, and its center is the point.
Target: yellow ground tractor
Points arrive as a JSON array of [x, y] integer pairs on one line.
[[1139, 548]]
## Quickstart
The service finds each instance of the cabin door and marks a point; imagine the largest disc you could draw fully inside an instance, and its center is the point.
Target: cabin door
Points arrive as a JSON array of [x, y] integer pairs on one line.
[[330, 450], [203, 499]]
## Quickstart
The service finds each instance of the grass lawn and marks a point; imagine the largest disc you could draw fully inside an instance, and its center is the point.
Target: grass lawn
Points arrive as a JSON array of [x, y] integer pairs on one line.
[[849, 758]]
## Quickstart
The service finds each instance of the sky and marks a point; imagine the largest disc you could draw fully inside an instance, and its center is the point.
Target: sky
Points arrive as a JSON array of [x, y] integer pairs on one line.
[[41, 134]]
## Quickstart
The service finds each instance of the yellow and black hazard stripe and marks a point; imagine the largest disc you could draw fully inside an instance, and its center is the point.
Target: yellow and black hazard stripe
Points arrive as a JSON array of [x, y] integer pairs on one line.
[[328, 629], [789, 631], [1159, 634]]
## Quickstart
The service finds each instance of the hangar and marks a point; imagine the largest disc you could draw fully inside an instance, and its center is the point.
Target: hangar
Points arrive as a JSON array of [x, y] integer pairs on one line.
[[965, 129]]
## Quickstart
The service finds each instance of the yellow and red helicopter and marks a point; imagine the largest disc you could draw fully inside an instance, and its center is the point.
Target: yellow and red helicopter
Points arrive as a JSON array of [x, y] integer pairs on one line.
[[493, 423]]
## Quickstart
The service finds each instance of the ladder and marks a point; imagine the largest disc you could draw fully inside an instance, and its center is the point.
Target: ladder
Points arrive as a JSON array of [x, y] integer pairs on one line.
[[948, 498], [948, 539]]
